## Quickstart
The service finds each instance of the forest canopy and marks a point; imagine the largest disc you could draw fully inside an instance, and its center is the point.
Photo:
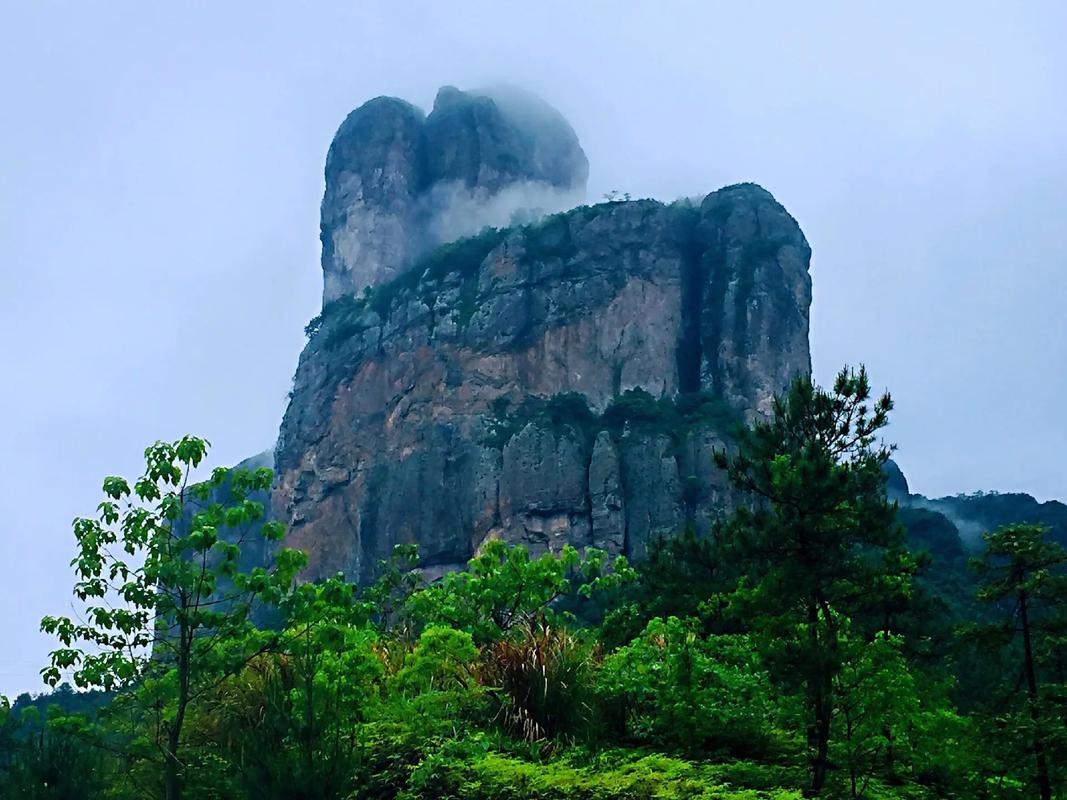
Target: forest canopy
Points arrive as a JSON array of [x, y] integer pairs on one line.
[[817, 642]]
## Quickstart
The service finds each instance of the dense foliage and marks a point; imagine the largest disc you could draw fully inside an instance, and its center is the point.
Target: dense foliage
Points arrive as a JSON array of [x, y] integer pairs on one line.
[[805, 646]]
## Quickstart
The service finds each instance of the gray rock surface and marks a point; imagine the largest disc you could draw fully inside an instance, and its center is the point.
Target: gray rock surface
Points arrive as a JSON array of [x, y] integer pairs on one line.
[[374, 174], [399, 183], [606, 509], [754, 309], [561, 382]]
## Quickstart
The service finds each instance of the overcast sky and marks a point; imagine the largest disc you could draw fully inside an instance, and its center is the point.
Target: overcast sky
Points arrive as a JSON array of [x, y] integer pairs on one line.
[[161, 170]]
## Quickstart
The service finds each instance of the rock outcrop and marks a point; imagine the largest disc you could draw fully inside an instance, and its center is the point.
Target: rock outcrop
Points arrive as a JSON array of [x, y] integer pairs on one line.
[[563, 381], [557, 381], [399, 183]]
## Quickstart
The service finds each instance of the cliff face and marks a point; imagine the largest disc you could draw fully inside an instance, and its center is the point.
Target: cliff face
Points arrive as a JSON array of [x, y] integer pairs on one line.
[[564, 381]]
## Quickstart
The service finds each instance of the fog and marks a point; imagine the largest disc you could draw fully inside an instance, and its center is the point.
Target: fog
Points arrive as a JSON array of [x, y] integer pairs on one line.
[[456, 210], [161, 174]]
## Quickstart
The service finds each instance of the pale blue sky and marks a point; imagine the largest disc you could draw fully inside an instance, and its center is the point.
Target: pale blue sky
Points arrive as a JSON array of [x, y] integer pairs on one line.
[[161, 169]]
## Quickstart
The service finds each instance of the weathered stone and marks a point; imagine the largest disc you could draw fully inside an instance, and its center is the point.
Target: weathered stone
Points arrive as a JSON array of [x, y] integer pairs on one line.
[[495, 138], [757, 291], [374, 174], [652, 490], [542, 489], [606, 497]]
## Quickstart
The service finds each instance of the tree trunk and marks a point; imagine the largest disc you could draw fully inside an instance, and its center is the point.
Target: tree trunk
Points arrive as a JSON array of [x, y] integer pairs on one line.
[[172, 766], [853, 754], [812, 689], [1043, 782], [890, 759], [820, 708], [822, 729], [310, 668]]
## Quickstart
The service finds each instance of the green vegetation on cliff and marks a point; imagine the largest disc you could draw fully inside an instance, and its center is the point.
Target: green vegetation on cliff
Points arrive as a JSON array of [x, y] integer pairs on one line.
[[453, 270], [634, 410], [348, 315]]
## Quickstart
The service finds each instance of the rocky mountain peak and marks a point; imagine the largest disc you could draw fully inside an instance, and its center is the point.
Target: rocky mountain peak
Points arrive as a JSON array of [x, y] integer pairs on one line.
[[484, 369], [399, 183]]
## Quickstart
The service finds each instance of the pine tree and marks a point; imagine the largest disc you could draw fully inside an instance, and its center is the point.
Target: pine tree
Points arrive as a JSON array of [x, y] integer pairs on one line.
[[1021, 573], [818, 535]]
